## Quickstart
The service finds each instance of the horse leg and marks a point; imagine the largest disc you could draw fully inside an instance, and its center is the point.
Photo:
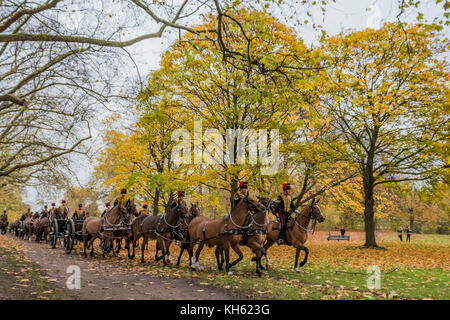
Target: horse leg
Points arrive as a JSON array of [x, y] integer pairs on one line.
[[239, 253], [119, 245], [179, 256], [91, 244], [267, 245], [191, 253], [163, 251], [157, 250], [227, 259], [219, 253], [168, 244], [197, 254], [305, 259], [145, 239]]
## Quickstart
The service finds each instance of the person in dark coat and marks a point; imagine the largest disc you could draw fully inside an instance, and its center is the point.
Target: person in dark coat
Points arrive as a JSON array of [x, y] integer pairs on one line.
[[400, 233], [408, 234], [342, 231]]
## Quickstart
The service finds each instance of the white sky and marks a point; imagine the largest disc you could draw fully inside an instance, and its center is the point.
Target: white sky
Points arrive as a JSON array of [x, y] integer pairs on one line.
[[340, 16]]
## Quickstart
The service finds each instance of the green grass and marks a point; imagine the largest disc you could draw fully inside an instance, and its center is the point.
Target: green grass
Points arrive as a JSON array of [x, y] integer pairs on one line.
[[23, 278]]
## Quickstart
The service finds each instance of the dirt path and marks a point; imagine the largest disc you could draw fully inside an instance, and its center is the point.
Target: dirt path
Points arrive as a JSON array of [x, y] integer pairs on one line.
[[102, 279]]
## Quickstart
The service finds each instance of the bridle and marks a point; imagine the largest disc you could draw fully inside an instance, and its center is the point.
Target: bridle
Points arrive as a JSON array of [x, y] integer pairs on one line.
[[178, 209], [310, 216]]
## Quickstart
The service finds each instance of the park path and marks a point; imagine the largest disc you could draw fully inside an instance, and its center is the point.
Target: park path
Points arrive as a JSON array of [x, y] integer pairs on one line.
[[103, 279]]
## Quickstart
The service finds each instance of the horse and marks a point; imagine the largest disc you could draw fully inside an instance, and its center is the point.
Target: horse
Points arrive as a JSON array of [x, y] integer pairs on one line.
[[223, 233], [296, 232], [94, 227], [136, 234], [161, 228], [254, 237], [194, 212], [41, 226], [15, 226], [27, 228]]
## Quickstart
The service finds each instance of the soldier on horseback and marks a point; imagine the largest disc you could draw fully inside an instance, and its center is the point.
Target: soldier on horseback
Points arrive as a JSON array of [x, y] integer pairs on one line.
[[52, 209], [63, 208], [44, 212], [122, 199], [107, 208], [180, 200], [4, 215], [242, 192], [79, 214], [144, 210], [285, 208], [3, 222]]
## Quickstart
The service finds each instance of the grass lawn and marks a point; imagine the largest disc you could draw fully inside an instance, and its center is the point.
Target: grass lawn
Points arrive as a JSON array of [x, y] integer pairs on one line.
[[335, 270]]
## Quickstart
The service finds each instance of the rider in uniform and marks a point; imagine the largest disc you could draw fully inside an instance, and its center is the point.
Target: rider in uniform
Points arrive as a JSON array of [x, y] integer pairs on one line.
[[4, 215], [63, 209], [180, 199], [44, 212], [52, 208], [79, 214], [144, 210], [107, 208], [242, 192], [285, 208], [122, 199]]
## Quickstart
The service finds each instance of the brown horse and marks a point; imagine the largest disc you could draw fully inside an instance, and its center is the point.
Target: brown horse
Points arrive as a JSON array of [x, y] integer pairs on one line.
[[16, 227], [27, 228], [94, 227], [223, 233], [42, 226], [254, 237], [194, 212], [296, 232], [136, 234], [161, 228]]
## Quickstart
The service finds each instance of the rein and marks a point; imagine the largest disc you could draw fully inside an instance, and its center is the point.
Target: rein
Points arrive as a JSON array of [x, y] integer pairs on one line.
[[313, 227]]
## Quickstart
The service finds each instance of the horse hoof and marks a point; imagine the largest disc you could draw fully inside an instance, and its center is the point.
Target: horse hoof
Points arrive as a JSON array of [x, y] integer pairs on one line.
[[302, 263], [297, 269], [230, 273]]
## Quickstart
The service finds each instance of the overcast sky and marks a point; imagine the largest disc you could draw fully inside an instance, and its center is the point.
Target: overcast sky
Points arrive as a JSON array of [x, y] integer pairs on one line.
[[339, 16]]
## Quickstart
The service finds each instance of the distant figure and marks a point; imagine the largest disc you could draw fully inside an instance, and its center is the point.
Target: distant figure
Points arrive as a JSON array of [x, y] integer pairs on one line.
[[342, 231], [400, 233], [408, 234]]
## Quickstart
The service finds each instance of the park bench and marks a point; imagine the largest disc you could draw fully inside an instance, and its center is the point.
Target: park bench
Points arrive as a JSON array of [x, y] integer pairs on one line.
[[338, 237]]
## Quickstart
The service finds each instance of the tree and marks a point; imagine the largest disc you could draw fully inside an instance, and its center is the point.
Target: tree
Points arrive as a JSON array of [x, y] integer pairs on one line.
[[387, 97], [87, 196]]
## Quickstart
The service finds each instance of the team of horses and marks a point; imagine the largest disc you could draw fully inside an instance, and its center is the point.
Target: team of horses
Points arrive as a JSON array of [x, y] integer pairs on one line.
[[247, 224]]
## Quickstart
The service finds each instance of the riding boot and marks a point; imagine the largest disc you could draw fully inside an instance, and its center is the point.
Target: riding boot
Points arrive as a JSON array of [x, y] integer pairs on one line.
[[280, 235]]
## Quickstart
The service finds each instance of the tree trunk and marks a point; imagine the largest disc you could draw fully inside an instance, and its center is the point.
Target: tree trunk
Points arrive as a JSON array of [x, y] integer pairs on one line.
[[233, 190], [369, 212], [156, 203]]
